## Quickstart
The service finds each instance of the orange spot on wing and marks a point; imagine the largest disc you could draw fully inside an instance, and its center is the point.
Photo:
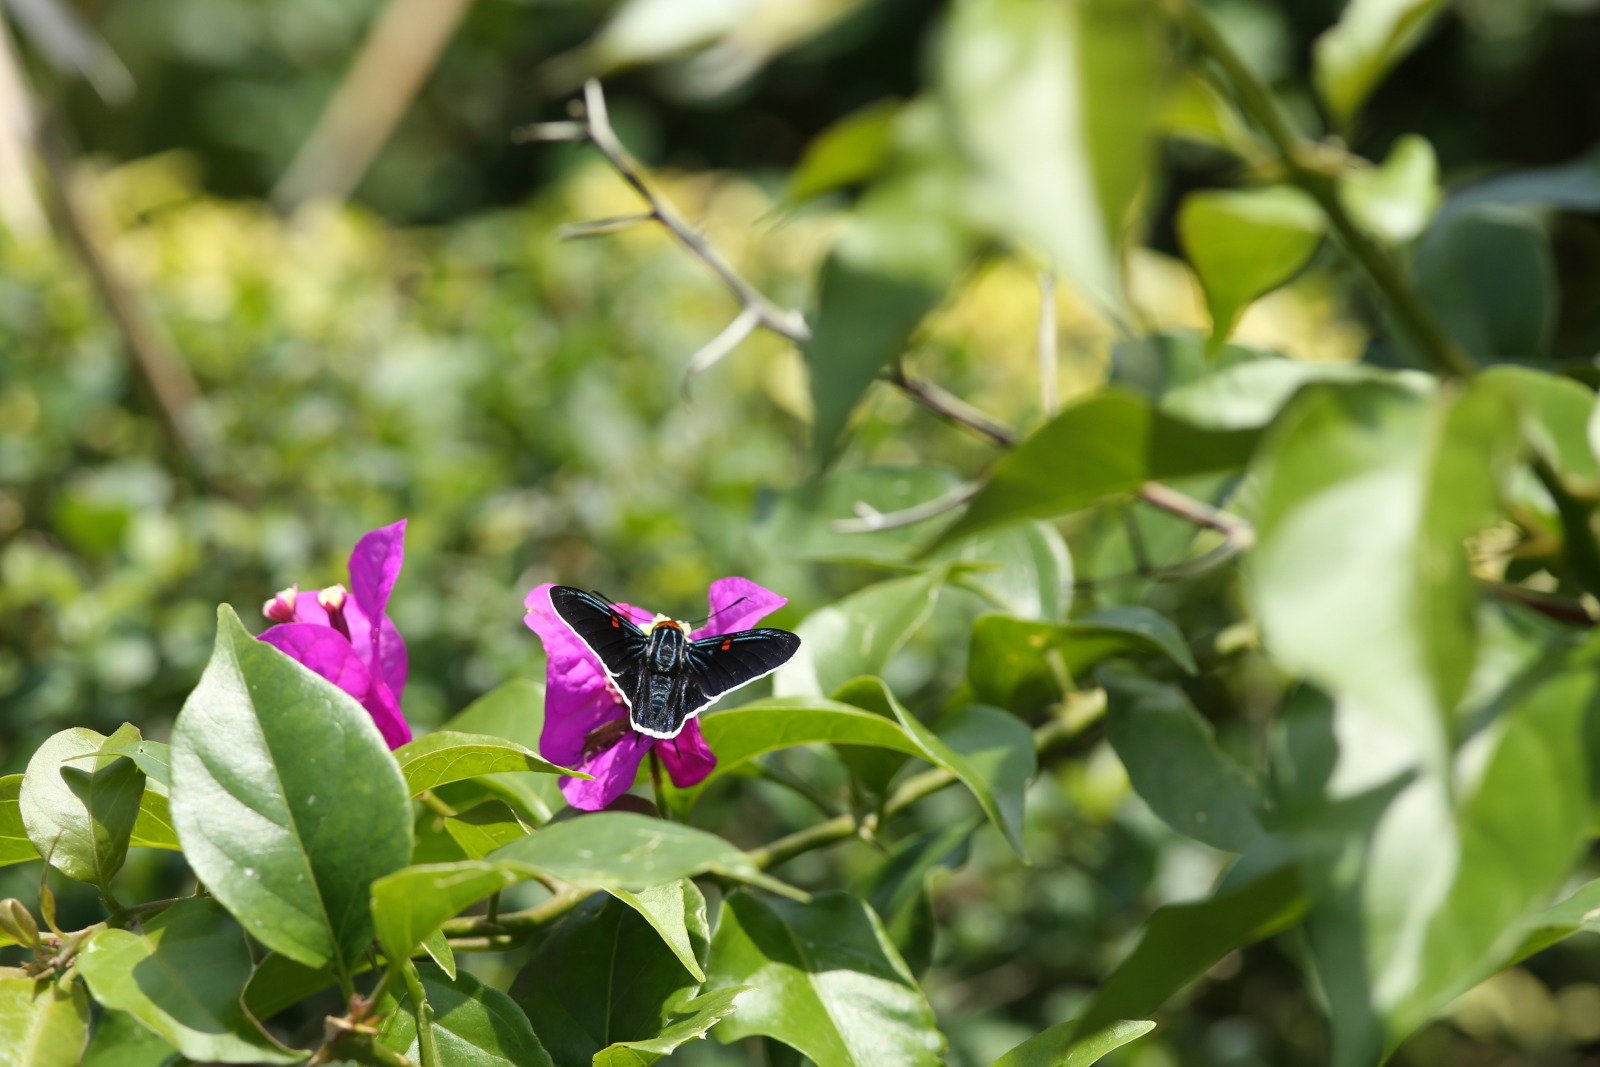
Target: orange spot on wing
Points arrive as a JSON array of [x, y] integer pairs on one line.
[[727, 644], [616, 622]]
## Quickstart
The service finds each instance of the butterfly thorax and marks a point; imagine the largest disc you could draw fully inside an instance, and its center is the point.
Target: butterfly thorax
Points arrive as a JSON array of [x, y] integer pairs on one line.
[[667, 645]]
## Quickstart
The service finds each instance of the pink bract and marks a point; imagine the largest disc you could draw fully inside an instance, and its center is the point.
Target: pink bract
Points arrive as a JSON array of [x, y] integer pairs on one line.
[[579, 698], [341, 641]]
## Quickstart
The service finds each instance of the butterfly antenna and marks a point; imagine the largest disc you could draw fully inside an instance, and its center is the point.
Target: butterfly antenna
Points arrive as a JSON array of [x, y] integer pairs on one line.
[[598, 595], [719, 611]]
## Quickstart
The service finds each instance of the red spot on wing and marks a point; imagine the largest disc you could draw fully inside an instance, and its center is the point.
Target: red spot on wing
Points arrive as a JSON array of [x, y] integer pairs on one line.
[[727, 644], [616, 622]]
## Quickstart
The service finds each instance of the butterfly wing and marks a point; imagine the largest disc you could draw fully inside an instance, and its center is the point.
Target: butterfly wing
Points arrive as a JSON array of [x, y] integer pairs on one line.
[[719, 665], [617, 643]]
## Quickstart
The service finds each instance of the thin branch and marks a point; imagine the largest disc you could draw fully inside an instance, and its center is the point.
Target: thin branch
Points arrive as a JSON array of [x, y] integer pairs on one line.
[[579, 231], [870, 520], [1239, 533], [1314, 168], [1049, 341], [592, 123], [942, 402]]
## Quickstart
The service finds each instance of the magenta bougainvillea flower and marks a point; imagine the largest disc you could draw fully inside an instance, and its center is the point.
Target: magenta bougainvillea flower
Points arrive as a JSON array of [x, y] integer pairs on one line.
[[586, 722], [344, 635]]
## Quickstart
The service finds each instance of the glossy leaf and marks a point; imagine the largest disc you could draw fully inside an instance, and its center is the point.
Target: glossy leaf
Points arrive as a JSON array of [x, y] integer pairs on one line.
[[286, 800], [604, 975], [740, 734], [1369, 39], [14, 844], [485, 827], [1244, 243], [1116, 442], [120, 1040], [182, 976], [1054, 106], [1360, 575], [474, 1025], [621, 850], [151, 757], [42, 1023], [153, 828], [279, 982], [1181, 941], [1060, 1047], [1174, 764], [857, 635], [672, 910], [82, 815], [1490, 276], [450, 756], [696, 1018], [898, 889], [1019, 664], [412, 903], [828, 983]]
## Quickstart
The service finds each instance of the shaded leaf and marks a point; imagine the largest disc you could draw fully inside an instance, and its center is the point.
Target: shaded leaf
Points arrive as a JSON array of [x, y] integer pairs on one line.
[[852, 150], [1174, 764], [182, 976], [474, 1025], [481, 829], [828, 982], [604, 975], [1490, 276], [151, 757], [120, 1040], [898, 889], [1116, 442], [286, 800], [1020, 664], [1247, 396], [672, 910], [1244, 243], [858, 634], [697, 1017], [1024, 570], [153, 828], [279, 982]]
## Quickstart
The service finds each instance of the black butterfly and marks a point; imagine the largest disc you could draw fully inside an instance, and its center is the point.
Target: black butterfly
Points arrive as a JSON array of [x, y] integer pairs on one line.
[[665, 678]]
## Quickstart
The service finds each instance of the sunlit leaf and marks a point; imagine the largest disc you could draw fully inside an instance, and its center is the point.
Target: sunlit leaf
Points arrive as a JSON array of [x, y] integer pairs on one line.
[[1060, 1046], [828, 982], [673, 910], [182, 975], [42, 1023], [858, 634], [485, 827], [286, 800], [695, 1018], [1369, 39], [449, 756], [1245, 243], [852, 150], [14, 844], [1395, 199], [474, 1025], [80, 814]]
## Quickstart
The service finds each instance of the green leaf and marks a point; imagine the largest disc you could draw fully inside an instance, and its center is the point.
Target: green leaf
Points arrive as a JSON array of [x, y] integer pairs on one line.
[[698, 1016], [990, 751], [120, 1040], [151, 756], [14, 844], [1490, 276], [1116, 442], [899, 254], [1247, 396], [481, 829], [1370, 38], [1360, 575], [1554, 414], [739, 735], [1023, 665], [437, 946], [621, 850], [412, 903], [1396, 199], [1059, 1047], [1054, 106], [449, 756], [42, 1023], [153, 828], [513, 711], [1182, 941], [858, 635], [1023, 570], [183, 976], [474, 1025], [800, 525], [81, 816], [672, 910], [852, 150], [898, 889], [286, 800], [828, 982], [279, 982], [1426, 880], [1577, 912], [603, 975], [1244, 243], [1174, 764]]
